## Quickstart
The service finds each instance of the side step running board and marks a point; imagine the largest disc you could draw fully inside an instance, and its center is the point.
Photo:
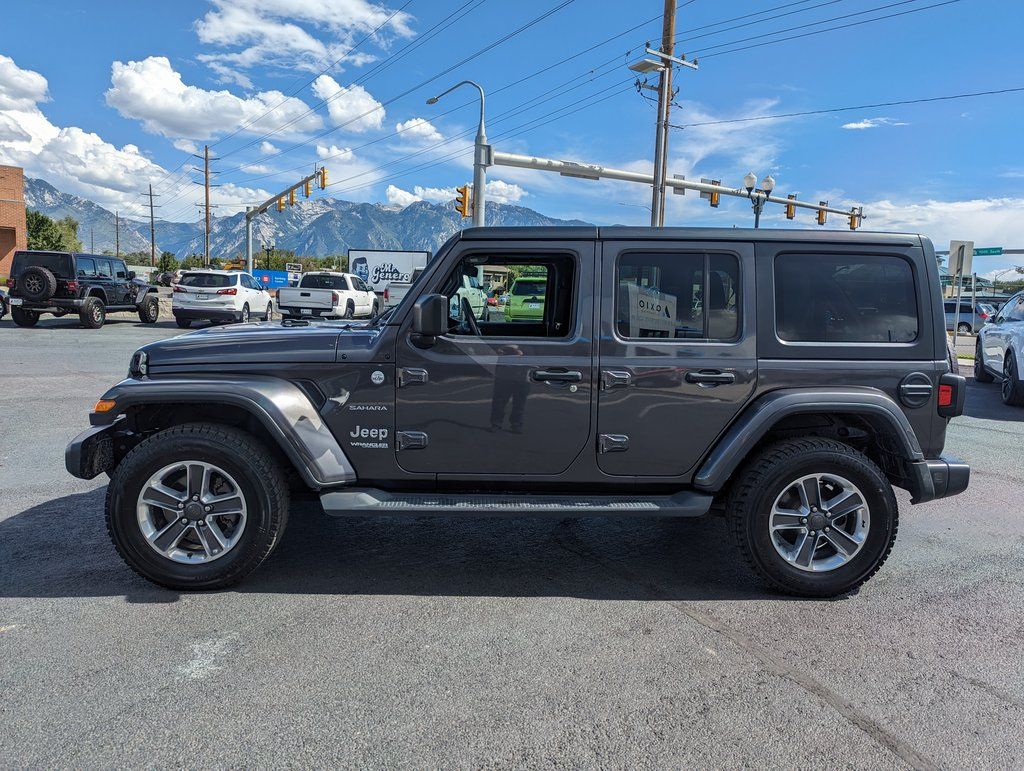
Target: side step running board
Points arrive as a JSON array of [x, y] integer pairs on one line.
[[365, 501]]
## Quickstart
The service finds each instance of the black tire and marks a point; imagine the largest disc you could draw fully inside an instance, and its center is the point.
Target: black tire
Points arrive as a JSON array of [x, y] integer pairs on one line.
[[375, 311], [182, 323], [244, 315], [24, 318], [778, 466], [270, 312], [1011, 389], [93, 313], [149, 309], [981, 374], [964, 328], [262, 484], [350, 310], [37, 283]]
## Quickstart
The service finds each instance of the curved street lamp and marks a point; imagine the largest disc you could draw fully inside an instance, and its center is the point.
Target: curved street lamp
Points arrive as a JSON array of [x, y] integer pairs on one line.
[[479, 156]]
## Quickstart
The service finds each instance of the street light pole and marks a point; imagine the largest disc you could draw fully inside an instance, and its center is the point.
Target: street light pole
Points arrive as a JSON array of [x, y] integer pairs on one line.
[[758, 196], [481, 154]]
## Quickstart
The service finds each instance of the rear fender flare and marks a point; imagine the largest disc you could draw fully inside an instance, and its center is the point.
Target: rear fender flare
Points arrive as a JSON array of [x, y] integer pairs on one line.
[[281, 408], [758, 419]]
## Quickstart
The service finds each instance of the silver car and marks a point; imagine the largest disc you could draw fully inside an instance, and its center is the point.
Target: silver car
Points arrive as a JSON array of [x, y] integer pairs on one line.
[[972, 318]]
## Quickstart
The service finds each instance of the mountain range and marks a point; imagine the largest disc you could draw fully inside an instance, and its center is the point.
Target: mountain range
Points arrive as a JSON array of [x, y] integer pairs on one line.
[[313, 228]]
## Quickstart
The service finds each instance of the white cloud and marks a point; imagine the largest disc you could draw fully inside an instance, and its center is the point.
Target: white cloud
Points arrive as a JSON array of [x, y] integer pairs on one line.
[[79, 161], [869, 123], [266, 148], [504, 192], [256, 168], [398, 197], [287, 33], [335, 153], [185, 145], [418, 130], [153, 92], [352, 106], [986, 221]]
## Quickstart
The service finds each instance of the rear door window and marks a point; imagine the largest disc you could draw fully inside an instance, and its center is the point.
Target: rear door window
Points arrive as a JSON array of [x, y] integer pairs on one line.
[[845, 298], [86, 267], [103, 269]]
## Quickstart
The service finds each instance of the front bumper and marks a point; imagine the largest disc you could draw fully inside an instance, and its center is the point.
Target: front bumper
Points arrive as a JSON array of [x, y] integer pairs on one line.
[[92, 451], [213, 314], [941, 477]]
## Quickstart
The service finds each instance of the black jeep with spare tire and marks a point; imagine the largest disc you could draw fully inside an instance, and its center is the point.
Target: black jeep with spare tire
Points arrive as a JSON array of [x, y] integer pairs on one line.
[[90, 285], [785, 380]]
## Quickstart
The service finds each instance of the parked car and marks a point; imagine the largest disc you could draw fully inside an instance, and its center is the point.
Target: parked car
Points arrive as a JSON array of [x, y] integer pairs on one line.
[[526, 300], [327, 295], [90, 285], [972, 317], [395, 292], [4, 304], [800, 377], [999, 351], [219, 296]]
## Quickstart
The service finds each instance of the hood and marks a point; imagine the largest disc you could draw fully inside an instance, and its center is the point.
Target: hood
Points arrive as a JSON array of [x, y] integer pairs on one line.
[[263, 342]]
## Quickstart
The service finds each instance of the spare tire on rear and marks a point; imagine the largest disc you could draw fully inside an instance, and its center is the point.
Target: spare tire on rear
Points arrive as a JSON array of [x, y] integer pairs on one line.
[[37, 283]]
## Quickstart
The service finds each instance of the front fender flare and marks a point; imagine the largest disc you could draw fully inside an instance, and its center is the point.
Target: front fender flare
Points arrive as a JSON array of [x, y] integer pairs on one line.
[[280, 406], [754, 422]]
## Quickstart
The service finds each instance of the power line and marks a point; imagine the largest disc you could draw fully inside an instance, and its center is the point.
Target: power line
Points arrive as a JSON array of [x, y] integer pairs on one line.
[[849, 109]]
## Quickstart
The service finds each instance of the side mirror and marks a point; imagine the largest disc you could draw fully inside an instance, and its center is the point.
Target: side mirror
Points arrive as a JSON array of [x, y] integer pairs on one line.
[[430, 316], [131, 275]]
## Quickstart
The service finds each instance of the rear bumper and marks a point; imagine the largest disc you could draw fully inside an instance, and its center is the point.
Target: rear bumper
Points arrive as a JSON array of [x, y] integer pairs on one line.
[[92, 451], [213, 314], [54, 303], [938, 478], [308, 313]]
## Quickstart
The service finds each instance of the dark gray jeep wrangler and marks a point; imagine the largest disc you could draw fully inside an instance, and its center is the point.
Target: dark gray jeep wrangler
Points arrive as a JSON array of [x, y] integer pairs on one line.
[[785, 379]]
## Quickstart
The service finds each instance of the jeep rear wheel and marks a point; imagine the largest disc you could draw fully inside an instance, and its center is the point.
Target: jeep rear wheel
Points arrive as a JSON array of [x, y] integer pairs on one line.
[[197, 506], [813, 517], [93, 313], [24, 318]]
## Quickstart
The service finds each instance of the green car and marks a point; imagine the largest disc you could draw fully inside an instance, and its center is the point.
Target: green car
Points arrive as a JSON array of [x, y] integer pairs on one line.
[[526, 300]]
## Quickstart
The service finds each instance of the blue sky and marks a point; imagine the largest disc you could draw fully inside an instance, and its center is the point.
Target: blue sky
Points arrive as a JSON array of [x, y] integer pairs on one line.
[[103, 98]]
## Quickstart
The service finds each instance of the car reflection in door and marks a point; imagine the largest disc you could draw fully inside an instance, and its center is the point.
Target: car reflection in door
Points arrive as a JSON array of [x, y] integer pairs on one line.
[[510, 386]]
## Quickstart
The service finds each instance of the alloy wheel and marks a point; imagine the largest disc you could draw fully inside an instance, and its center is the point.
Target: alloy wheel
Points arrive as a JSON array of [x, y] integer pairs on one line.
[[819, 522], [191, 512], [1009, 375]]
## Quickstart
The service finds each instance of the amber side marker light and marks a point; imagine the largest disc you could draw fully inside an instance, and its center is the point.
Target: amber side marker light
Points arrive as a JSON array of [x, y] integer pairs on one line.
[[104, 405]]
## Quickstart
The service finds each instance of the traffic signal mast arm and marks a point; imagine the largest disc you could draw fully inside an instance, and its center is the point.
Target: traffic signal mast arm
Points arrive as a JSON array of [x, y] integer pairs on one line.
[[594, 171], [319, 176]]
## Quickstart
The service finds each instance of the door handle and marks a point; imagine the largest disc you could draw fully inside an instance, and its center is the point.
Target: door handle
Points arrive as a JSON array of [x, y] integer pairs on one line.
[[710, 377], [556, 376]]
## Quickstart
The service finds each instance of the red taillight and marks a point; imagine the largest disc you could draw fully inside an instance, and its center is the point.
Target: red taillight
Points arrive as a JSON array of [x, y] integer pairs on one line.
[[179, 288], [945, 395], [385, 294], [983, 315], [72, 286], [232, 290], [10, 283], [334, 298]]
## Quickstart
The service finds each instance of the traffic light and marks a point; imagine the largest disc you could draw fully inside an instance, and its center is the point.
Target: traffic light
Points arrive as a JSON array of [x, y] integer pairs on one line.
[[291, 197], [463, 201], [280, 204], [323, 179], [305, 188], [790, 208], [716, 197], [853, 220], [822, 214]]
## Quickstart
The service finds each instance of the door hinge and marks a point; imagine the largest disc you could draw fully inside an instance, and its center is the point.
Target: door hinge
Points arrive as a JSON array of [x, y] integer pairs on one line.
[[614, 378], [411, 376], [612, 443], [411, 440]]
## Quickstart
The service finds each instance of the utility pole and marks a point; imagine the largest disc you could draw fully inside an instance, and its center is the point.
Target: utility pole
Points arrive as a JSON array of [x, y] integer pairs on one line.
[[92, 241], [117, 234], [206, 181], [668, 33], [152, 231]]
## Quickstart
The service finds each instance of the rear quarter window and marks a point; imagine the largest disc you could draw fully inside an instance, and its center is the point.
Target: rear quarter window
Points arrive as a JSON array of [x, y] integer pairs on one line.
[[845, 298]]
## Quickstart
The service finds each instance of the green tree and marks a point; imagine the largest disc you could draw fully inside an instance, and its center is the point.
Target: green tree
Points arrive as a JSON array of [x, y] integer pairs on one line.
[[167, 262], [192, 261], [52, 235]]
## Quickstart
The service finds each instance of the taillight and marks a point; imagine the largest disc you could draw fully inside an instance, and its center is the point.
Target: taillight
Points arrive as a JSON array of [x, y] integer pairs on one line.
[[945, 395], [983, 315], [72, 286], [179, 288], [10, 283], [386, 294], [334, 299], [232, 290]]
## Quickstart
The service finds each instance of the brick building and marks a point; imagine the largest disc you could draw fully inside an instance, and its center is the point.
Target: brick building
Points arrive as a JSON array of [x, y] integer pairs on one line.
[[12, 215]]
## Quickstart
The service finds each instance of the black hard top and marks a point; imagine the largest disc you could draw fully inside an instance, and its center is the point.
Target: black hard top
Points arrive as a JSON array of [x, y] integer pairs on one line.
[[619, 232], [75, 255]]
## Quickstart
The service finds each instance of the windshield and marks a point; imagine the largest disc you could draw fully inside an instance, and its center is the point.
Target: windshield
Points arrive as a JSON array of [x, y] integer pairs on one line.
[[322, 281], [207, 280], [522, 288]]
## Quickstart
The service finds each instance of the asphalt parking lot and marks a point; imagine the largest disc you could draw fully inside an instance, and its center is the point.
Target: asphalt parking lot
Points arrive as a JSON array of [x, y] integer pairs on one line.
[[440, 642]]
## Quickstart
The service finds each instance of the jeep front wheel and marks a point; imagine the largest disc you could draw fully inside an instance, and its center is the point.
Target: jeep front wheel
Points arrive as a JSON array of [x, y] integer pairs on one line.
[[149, 309], [24, 318], [92, 313], [197, 506], [813, 517]]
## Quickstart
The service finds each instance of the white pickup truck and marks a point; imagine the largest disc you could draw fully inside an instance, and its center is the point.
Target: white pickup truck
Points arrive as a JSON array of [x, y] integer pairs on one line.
[[323, 294]]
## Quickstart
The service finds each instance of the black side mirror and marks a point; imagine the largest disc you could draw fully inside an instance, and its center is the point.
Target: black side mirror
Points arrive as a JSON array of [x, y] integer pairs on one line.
[[131, 275], [430, 316]]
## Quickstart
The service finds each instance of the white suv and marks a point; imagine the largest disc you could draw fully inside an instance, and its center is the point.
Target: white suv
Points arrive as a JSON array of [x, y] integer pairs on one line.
[[999, 352], [219, 295]]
